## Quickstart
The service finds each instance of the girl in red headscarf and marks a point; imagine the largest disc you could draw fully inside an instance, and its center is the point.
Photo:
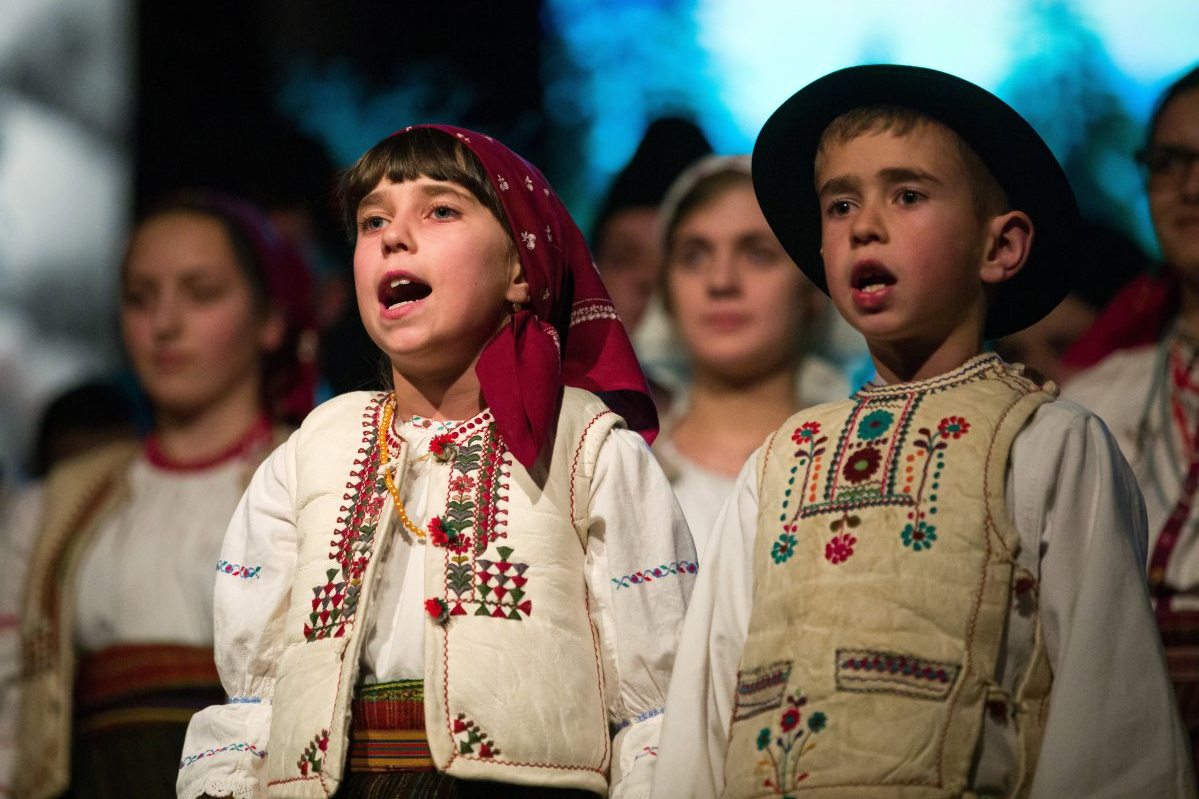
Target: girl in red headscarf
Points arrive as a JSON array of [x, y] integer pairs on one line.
[[473, 581], [115, 632]]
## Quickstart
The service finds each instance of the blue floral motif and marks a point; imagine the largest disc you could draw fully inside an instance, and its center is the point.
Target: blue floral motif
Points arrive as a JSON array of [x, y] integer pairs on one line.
[[875, 424], [784, 548], [919, 537]]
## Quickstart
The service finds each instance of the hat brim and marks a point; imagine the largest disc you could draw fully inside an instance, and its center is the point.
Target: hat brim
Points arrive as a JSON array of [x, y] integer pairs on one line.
[[784, 174]]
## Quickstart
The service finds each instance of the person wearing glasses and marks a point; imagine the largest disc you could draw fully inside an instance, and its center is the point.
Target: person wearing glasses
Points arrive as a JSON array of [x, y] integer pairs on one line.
[[1145, 382]]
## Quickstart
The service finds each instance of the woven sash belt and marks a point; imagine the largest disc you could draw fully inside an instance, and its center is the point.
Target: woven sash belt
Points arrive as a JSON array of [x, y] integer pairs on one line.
[[388, 728], [137, 684]]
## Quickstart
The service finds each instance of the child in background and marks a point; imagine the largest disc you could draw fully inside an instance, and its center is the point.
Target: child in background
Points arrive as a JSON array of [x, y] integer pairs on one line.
[[745, 316], [469, 585], [934, 588]]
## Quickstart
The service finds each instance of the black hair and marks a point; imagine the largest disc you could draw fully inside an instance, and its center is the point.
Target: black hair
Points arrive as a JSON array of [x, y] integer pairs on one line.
[[1186, 83]]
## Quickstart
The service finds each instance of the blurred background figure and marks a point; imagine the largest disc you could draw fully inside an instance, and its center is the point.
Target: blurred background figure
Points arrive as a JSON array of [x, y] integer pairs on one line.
[[80, 419], [624, 237], [1147, 387], [744, 315], [1108, 260], [115, 609]]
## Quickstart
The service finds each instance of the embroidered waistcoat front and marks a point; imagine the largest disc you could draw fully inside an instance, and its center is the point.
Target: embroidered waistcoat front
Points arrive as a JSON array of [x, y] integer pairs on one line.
[[79, 493], [514, 681], [883, 565]]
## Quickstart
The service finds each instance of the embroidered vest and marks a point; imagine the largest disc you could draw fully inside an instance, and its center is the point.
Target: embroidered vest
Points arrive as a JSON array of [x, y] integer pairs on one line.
[[79, 494], [514, 684], [883, 567]]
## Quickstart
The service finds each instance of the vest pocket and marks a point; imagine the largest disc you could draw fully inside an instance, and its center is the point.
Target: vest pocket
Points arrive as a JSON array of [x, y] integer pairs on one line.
[[875, 671]]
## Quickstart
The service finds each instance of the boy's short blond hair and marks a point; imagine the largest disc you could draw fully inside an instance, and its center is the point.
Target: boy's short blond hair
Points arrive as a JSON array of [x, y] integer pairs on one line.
[[990, 199]]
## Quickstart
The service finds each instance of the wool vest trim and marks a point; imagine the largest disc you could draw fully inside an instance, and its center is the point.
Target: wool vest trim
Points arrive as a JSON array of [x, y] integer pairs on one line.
[[514, 681], [883, 566]]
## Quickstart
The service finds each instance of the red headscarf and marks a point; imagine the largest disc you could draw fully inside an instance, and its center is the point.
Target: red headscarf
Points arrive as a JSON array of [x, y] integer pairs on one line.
[[568, 334], [1136, 316]]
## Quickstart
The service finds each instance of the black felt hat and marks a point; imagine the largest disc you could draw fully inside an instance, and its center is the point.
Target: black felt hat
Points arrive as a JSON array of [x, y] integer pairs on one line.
[[784, 174], [669, 145]]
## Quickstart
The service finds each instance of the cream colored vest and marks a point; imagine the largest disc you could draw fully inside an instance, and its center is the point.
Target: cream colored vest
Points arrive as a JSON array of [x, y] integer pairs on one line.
[[78, 493], [514, 686], [883, 568]]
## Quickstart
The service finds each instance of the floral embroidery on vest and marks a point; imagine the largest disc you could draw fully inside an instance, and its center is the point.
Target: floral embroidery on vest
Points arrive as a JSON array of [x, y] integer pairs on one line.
[[872, 465], [784, 750], [472, 523], [313, 756], [335, 602], [471, 740]]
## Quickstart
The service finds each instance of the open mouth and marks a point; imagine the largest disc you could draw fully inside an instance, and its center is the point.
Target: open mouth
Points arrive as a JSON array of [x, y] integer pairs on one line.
[[396, 291], [871, 277]]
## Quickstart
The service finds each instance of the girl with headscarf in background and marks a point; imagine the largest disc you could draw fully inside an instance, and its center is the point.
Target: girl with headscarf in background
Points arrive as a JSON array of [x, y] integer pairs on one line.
[[113, 645], [745, 317]]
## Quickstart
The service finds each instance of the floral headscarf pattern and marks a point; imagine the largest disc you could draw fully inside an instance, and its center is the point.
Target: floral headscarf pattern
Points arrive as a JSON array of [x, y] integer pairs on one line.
[[568, 334]]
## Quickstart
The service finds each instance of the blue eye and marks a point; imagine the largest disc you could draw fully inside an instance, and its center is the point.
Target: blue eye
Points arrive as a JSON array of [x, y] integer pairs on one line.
[[444, 212]]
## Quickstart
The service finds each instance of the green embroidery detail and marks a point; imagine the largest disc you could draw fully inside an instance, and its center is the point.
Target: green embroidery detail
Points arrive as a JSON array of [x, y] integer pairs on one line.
[[784, 548], [920, 537], [875, 424]]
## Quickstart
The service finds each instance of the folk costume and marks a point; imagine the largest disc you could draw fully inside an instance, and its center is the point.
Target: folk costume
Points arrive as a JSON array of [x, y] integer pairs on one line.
[[113, 635], [1148, 395], [477, 607], [914, 593]]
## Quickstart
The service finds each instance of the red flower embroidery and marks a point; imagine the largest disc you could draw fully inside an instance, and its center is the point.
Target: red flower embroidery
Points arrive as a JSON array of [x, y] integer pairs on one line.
[[953, 427], [861, 465], [805, 432], [442, 446], [437, 533], [437, 609], [462, 484], [790, 719], [839, 548]]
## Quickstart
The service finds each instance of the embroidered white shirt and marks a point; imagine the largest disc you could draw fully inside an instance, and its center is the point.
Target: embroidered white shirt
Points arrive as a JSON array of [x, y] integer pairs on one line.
[[148, 571], [1128, 391]]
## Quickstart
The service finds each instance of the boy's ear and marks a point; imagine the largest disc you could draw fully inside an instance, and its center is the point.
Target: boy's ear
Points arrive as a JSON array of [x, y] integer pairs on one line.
[[1009, 241], [518, 287]]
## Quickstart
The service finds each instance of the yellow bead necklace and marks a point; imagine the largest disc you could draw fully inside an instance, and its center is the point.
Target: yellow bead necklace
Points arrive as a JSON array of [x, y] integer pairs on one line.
[[384, 459]]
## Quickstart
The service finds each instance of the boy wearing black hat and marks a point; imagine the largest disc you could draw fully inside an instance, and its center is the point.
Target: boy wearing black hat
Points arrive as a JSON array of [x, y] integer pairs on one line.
[[933, 588]]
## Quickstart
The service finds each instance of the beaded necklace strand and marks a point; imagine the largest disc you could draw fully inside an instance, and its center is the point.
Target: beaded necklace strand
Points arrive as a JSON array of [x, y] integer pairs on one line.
[[388, 480]]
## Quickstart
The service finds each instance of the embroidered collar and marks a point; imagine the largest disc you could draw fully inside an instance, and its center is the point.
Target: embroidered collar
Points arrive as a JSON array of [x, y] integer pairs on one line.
[[417, 428], [973, 369], [257, 436]]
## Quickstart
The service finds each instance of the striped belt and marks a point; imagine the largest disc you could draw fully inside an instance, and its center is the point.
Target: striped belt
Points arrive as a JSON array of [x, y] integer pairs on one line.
[[388, 728], [135, 684]]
